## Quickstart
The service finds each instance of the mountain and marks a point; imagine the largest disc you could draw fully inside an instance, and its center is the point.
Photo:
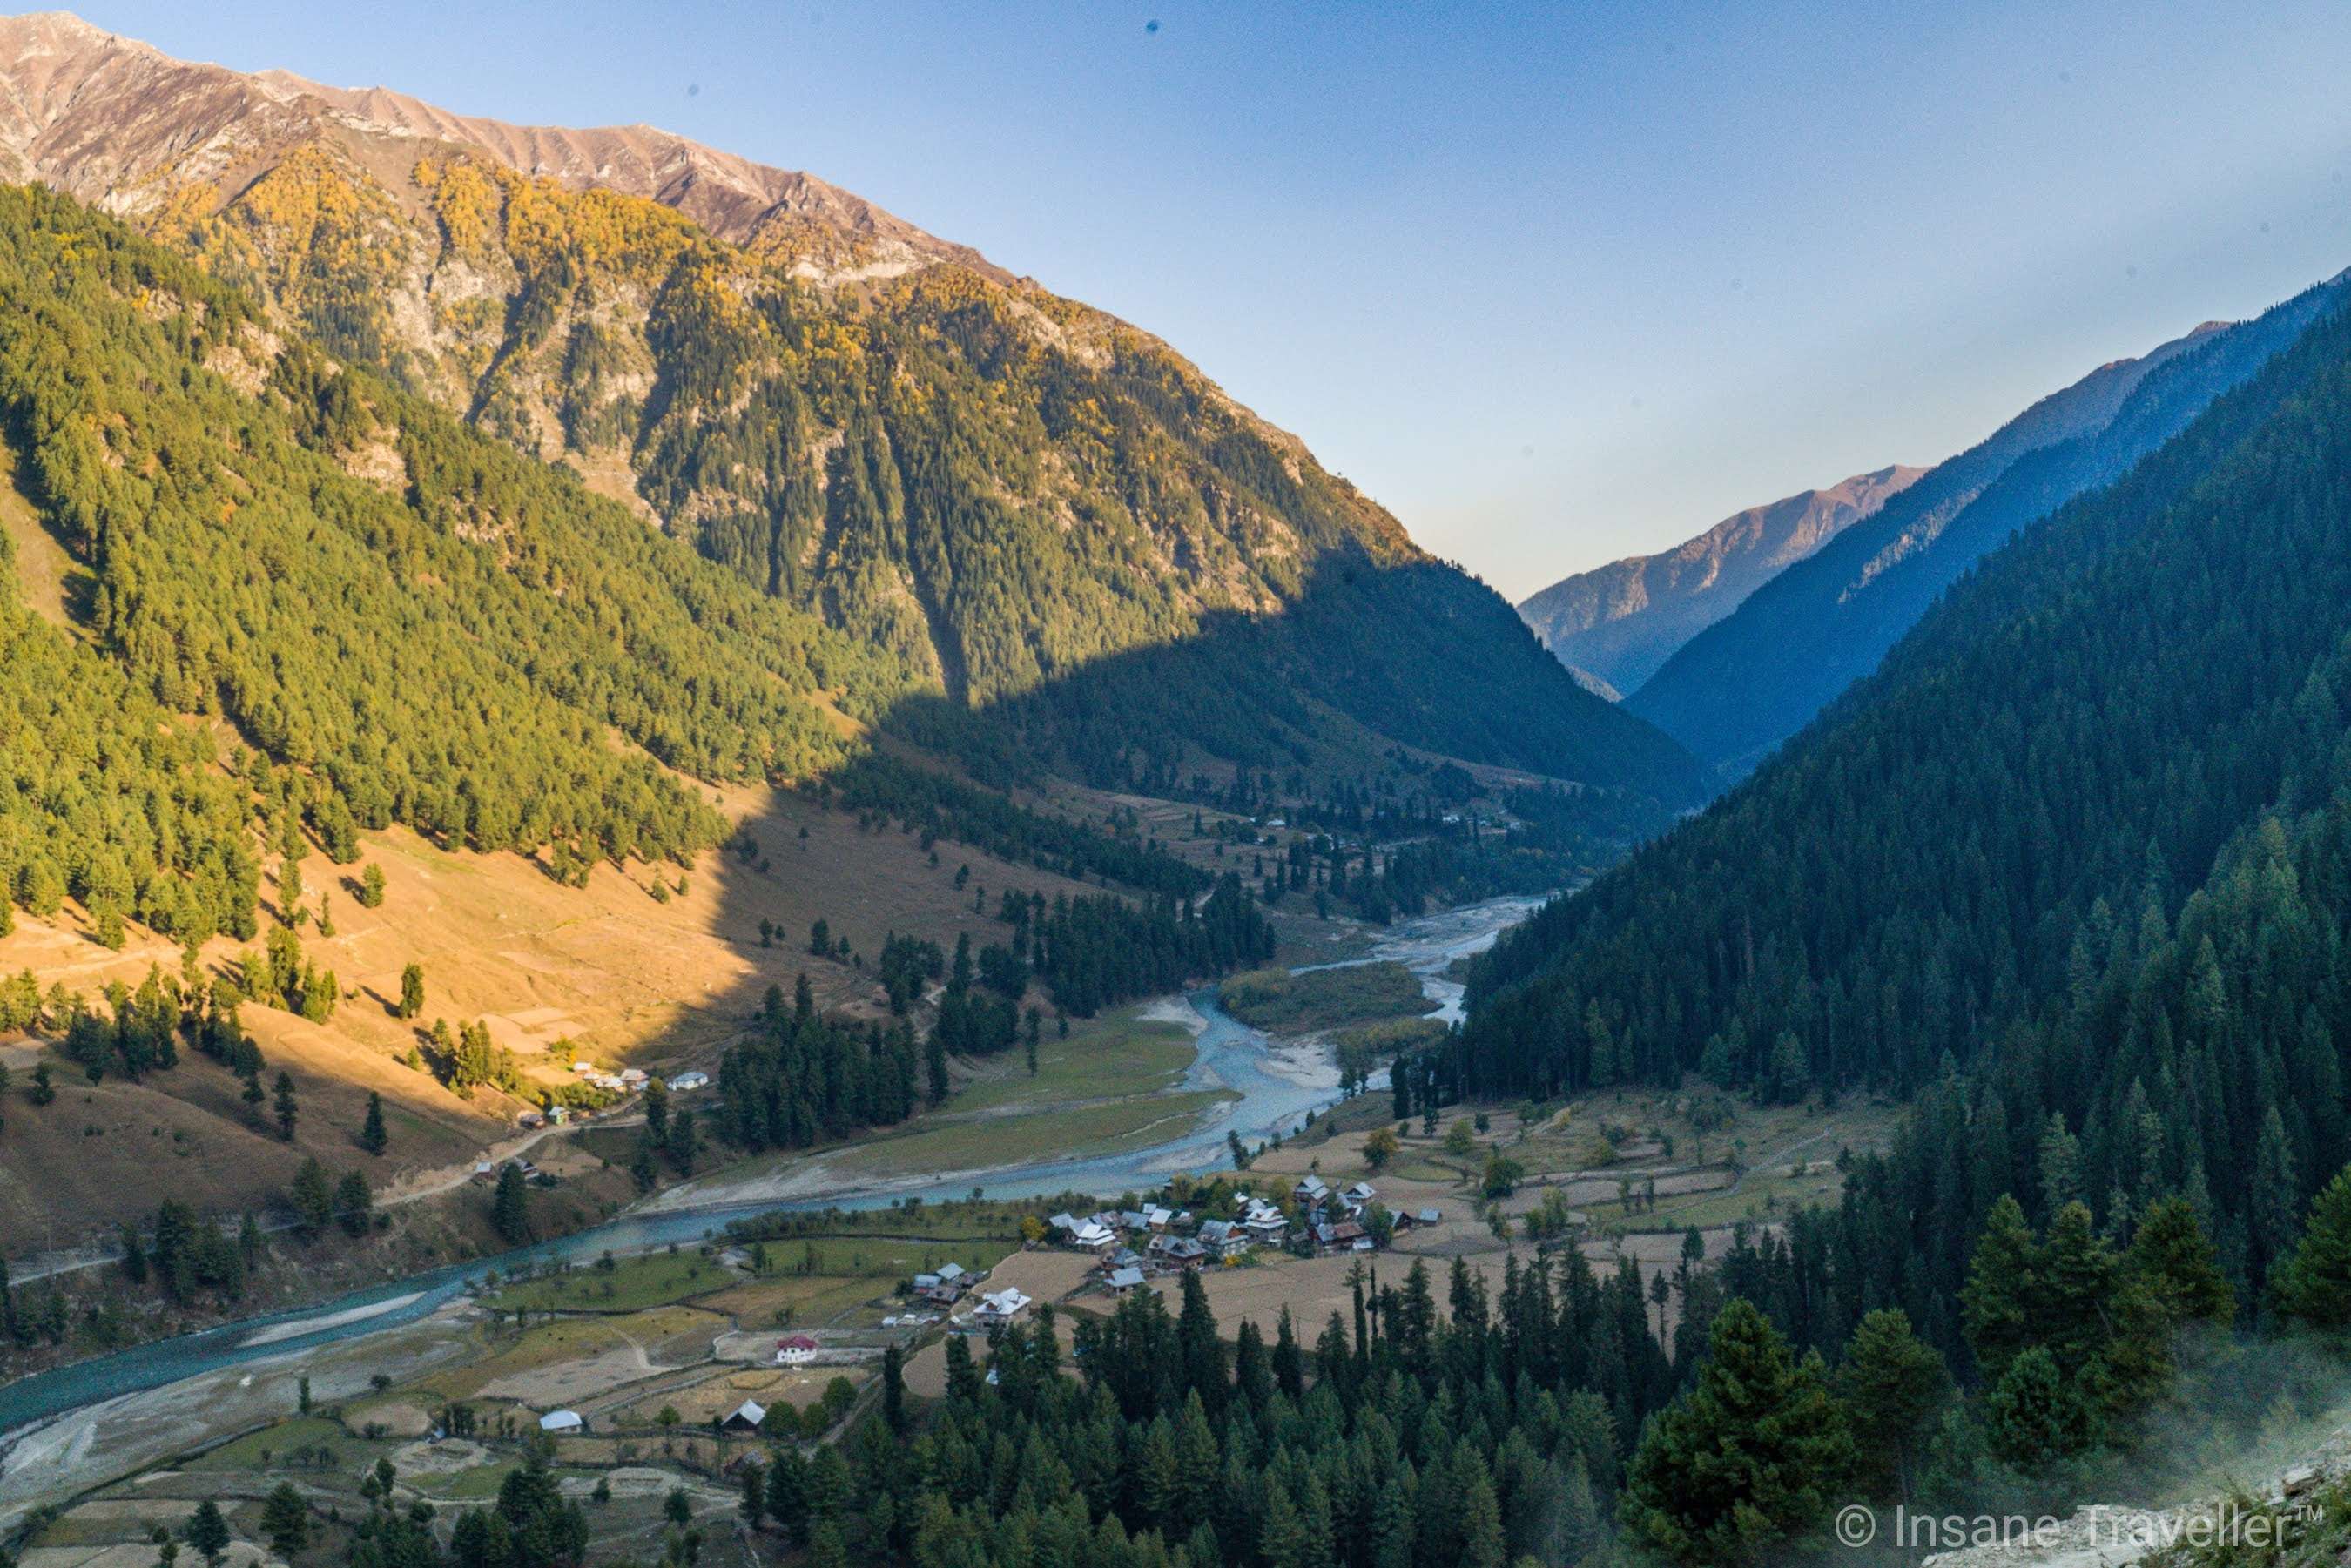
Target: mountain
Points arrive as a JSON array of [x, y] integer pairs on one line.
[[1618, 622], [998, 489], [422, 625], [119, 124], [1755, 678], [2080, 848]]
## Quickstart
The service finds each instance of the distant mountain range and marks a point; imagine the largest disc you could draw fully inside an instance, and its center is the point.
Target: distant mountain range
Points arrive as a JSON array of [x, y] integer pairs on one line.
[[1618, 622], [1033, 508], [1745, 683]]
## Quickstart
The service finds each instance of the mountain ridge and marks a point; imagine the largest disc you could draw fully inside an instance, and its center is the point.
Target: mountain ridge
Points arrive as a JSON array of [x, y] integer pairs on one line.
[[47, 133], [994, 486], [1618, 622], [1746, 683]]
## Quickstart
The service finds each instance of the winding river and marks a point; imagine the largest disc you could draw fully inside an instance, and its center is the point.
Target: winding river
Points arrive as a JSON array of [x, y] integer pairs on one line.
[[1229, 1055]]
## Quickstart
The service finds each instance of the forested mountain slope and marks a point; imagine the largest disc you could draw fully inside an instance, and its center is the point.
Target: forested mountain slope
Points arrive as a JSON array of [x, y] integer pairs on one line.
[[2087, 832], [1620, 621], [414, 624], [1746, 683], [993, 487]]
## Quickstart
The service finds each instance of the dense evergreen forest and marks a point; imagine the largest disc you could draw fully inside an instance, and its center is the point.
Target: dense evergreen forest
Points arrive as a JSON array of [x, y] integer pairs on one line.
[[805, 1077], [928, 801], [2072, 868]]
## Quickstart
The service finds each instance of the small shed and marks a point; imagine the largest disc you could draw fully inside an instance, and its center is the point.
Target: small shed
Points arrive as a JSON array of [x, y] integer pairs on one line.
[[745, 1416], [561, 1421]]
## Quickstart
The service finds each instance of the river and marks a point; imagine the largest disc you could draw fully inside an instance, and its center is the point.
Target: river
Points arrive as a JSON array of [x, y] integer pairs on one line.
[[1229, 1055]]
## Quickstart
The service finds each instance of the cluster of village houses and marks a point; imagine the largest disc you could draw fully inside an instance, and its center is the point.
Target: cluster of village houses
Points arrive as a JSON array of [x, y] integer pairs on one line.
[[1136, 1245], [945, 1290], [629, 1081]]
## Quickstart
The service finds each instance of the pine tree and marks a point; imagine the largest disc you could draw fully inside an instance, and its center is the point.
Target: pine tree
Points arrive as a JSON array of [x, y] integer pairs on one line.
[[1281, 1541], [312, 1197], [2275, 1195], [2080, 1277], [2060, 1159], [2033, 1416], [370, 894], [1201, 1354], [412, 992], [2312, 1282], [1395, 1511], [1482, 1542], [374, 1138], [510, 1206], [134, 1256], [893, 1387], [1750, 1456], [1287, 1360], [2176, 1261], [1577, 1519], [964, 1383], [287, 1112], [207, 1531], [787, 1492], [355, 1204], [1999, 1302], [827, 1547], [285, 1520], [1891, 1381]]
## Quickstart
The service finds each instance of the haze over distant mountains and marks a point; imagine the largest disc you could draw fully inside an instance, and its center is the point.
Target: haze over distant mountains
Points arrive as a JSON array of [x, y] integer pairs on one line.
[[1745, 683], [1618, 622]]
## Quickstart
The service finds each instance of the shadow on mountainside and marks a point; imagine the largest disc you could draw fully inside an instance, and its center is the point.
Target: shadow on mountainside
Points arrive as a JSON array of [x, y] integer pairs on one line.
[[1363, 657]]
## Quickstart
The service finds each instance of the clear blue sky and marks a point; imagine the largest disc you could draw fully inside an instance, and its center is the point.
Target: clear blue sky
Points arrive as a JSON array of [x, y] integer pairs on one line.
[[1556, 283]]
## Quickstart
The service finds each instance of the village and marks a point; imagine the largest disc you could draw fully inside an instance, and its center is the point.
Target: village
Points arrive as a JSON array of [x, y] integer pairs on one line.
[[647, 1382], [1137, 1244]]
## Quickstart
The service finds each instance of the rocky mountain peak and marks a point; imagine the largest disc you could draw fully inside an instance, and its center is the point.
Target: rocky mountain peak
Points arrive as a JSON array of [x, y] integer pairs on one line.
[[118, 123]]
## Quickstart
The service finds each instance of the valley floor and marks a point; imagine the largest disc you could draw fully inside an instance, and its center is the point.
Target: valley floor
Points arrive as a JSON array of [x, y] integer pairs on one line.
[[691, 1329]]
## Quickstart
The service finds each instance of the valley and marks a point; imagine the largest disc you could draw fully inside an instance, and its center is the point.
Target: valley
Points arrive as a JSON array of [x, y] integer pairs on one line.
[[691, 878], [618, 1339]]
